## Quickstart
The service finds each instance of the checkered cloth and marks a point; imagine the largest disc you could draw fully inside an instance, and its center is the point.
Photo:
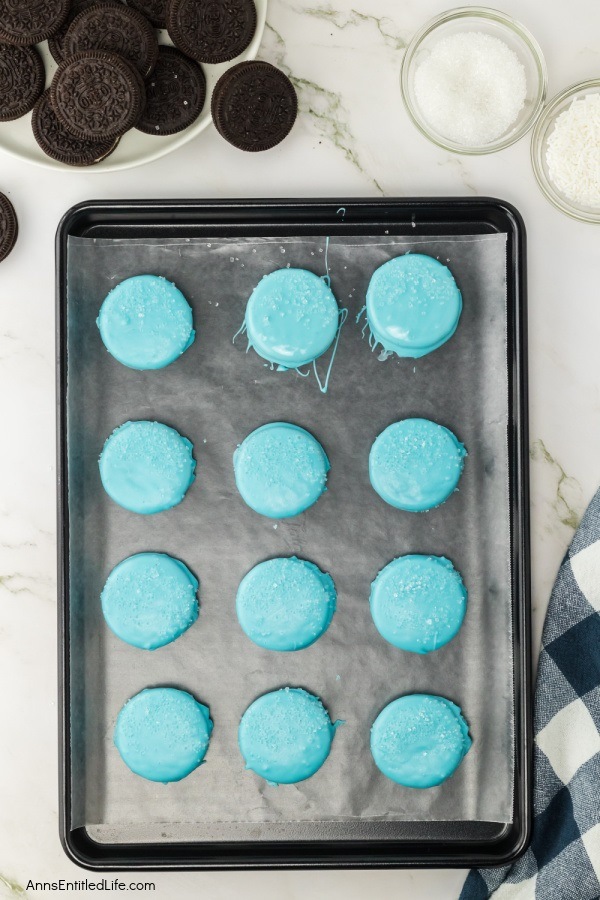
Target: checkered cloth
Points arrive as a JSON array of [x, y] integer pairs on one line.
[[563, 862]]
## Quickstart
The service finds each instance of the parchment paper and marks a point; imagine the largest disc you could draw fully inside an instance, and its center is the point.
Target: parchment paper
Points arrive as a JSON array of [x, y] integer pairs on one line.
[[215, 395]]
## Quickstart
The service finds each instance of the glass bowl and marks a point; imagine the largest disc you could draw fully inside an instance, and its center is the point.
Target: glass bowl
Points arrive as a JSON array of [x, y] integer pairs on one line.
[[539, 146], [496, 24]]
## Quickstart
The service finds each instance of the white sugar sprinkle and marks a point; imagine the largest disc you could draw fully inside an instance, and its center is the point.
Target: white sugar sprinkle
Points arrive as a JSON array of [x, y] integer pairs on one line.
[[573, 151], [471, 88]]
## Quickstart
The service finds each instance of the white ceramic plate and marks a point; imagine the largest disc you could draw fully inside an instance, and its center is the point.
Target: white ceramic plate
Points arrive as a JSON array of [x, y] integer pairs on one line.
[[135, 148]]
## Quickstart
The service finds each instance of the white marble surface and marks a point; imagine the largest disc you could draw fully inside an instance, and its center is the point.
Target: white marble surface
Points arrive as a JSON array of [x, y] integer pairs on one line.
[[353, 138]]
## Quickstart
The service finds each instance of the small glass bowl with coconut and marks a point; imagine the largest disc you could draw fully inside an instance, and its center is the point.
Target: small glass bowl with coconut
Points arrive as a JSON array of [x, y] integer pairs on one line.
[[565, 151], [473, 80]]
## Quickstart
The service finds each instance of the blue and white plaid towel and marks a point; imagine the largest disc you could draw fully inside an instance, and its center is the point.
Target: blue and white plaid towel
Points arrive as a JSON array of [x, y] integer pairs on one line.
[[563, 862]]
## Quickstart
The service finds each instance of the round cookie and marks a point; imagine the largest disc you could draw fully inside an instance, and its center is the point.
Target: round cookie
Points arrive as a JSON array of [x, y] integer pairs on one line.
[[413, 305], [419, 740], [280, 470], [254, 106], [31, 21], [84, 109], [114, 28], [163, 734], [211, 32], [149, 600], [285, 736], [291, 317], [418, 603], [415, 464], [285, 603], [22, 79], [146, 467], [145, 322], [9, 226], [154, 10], [57, 143], [56, 43], [175, 94]]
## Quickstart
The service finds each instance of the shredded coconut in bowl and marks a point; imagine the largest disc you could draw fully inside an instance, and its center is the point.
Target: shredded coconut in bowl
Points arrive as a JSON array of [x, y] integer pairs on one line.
[[573, 151], [471, 88]]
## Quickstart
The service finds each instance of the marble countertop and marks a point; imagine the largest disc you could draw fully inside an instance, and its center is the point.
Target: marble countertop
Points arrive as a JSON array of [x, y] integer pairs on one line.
[[353, 138]]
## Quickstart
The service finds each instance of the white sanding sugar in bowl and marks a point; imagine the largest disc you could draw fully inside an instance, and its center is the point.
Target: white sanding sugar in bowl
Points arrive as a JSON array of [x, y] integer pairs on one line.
[[573, 151], [471, 88]]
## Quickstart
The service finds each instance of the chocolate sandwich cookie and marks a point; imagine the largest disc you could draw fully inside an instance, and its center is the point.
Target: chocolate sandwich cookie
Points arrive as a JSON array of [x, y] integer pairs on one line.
[[154, 10], [210, 31], [26, 22], [9, 226], [21, 80], [115, 29], [56, 43], [97, 95], [56, 142], [254, 106], [175, 94]]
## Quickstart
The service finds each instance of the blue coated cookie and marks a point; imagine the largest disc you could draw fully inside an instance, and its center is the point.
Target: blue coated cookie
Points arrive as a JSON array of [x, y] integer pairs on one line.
[[146, 467], [150, 599], [280, 470], [418, 603], [292, 317], [413, 305], [419, 740], [163, 734], [285, 736], [145, 322], [416, 464], [286, 603]]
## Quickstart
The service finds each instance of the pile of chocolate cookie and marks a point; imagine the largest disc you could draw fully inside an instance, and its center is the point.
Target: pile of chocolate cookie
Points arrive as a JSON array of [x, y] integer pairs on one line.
[[113, 75]]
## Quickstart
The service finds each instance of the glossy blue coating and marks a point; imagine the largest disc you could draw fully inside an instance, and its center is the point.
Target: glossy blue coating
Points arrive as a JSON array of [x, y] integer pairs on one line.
[[150, 599], [280, 470], [286, 735], [146, 467], [285, 603], [418, 603], [163, 734], [413, 305], [292, 317], [415, 464], [145, 322], [419, 740]]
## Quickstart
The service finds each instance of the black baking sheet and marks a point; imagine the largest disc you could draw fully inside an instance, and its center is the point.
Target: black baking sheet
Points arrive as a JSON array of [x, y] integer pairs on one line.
[[215, 395]]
